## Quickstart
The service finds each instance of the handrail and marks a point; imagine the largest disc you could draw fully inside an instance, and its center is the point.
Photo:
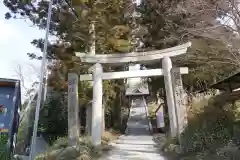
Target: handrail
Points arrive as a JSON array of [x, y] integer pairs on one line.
[[147, 114], [129, 115], [160, 105]]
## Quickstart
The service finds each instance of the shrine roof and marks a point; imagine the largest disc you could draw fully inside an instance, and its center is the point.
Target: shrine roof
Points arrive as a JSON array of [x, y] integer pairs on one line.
[[230, 83], [8, 82]]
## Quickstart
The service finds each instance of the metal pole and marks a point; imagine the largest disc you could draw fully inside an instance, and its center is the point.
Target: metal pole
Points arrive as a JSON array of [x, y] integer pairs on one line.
[[33, 144]]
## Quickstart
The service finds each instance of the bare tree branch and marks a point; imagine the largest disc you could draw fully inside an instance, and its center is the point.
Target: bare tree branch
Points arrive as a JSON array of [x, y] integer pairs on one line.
[[19, 74]]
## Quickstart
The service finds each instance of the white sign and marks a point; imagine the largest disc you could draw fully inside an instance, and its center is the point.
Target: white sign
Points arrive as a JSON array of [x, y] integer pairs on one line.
[[160, 118]]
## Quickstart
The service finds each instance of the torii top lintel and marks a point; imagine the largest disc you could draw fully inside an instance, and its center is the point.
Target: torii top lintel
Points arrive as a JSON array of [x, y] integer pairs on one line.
[[142, 57]]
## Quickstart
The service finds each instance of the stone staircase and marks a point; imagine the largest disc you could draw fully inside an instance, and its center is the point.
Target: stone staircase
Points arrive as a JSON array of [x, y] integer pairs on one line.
[[137, 143]]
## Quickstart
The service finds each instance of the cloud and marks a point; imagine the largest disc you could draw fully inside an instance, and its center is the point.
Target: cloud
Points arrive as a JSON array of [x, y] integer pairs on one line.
[[7, 32]]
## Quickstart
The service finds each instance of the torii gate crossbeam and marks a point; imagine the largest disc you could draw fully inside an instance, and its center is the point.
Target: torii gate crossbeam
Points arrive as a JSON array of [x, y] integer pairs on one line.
[[132, 74]]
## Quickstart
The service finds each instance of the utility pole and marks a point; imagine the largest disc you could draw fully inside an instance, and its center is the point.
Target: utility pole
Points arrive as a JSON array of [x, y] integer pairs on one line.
[[42, 75]]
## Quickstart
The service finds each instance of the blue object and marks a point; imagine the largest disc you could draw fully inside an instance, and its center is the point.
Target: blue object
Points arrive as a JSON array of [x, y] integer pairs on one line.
[[10, 105]]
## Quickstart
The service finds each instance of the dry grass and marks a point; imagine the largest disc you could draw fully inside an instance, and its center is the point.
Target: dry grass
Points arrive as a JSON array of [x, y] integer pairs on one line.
[[86, 151], [109, 136]]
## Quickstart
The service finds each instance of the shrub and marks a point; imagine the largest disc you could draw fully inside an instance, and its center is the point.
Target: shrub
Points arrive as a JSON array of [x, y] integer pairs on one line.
[[212, 132], [61, 151], [61, 142], [4, 152], [109, 136], [210, 128]]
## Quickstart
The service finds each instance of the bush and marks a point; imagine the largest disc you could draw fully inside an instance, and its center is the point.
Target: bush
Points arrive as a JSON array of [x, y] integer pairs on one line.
[[109, 136], [210, 128], [4, 152], [212, 132], [61, 142], [61, 151]]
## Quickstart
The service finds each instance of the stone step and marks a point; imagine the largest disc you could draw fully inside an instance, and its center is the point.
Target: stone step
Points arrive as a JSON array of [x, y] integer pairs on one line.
[[138, 142]]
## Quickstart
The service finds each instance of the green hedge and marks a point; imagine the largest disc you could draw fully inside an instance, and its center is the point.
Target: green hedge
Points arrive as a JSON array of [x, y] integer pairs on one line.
[[4, 151]]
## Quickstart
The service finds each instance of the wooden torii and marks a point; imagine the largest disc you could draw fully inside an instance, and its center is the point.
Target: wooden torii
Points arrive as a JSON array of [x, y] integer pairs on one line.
[[172, 81]]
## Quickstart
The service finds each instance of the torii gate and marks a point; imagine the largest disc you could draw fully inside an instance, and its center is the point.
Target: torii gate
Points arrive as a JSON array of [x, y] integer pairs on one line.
[[171, 78]]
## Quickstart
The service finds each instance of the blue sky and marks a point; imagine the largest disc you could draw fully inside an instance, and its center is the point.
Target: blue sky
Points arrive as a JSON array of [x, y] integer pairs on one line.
[[15, 38]]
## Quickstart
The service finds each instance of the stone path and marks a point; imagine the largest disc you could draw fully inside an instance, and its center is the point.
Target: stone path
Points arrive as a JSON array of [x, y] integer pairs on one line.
[[138, 143]]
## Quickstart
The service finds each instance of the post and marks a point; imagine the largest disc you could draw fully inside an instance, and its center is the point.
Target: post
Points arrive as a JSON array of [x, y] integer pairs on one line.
[[92, 34], [167, 66], [73, 110], [180, 102], [89, 119], [97, 105]]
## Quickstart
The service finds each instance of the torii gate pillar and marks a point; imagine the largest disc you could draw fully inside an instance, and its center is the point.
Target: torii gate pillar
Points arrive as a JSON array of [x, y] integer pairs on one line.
[[167, 66], [97, 105]]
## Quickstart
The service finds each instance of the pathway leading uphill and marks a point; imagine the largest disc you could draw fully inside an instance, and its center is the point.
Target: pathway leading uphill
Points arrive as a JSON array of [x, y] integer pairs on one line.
[[138, 143]]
